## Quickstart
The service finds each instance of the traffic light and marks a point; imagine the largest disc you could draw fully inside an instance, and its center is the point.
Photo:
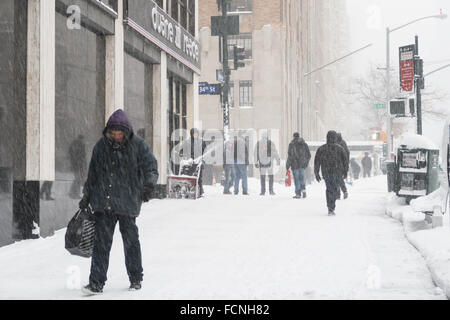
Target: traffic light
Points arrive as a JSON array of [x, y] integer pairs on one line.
[[239, 55]]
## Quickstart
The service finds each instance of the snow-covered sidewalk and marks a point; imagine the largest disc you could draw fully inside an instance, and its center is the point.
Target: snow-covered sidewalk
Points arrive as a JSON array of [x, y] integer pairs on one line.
[[237, 247]]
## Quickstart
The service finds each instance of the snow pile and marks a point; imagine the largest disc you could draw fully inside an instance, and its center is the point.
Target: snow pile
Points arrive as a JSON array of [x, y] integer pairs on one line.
[[433, 244], [414, 141], [428, 203]]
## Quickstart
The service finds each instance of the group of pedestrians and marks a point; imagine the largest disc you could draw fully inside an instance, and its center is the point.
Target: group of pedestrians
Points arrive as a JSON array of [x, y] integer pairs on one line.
[[332, 159], [123, 173]]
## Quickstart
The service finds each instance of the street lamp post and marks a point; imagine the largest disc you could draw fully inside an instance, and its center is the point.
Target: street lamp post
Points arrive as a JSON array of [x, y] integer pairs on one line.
[[388, 74]]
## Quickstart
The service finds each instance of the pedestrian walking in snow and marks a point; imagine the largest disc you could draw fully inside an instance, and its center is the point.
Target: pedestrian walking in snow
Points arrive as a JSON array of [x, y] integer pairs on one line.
[[241, 162], [332, 160], [367, 165], [122, 174], [228, 165], [298, 160], [194, 149], [356, 169], [265, 154], [342, 185]]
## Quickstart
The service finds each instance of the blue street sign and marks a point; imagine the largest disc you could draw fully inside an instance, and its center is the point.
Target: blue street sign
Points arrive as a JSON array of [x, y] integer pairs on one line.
[[208, 88]]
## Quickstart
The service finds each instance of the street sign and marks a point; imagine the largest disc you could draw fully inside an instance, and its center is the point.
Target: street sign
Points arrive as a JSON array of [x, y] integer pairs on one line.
[[225, 25], [205, 88], [380, 106], [398, 107], [406, 55], [220, 76]]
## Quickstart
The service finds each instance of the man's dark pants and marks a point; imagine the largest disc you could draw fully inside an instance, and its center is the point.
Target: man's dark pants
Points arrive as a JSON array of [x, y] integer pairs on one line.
[[105, 224], [333, 186], [342, 187]]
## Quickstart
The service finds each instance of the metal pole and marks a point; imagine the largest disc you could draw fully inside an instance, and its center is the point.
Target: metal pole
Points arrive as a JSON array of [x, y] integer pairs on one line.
[[419, 93], [388, 93], [226, 71]]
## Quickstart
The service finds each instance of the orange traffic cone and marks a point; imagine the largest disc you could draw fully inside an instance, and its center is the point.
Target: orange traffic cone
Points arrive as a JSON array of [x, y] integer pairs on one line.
[[214, 180]]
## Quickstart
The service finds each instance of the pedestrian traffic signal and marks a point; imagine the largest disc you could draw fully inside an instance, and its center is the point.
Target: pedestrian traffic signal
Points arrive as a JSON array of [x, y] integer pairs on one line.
[[239, 55]]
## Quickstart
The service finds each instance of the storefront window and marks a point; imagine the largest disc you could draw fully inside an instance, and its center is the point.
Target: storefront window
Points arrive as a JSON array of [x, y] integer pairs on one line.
[[79, 105]]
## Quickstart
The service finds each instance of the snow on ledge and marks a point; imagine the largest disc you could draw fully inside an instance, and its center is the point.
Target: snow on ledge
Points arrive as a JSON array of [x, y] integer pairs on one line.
[[433, 244], [414, 141]]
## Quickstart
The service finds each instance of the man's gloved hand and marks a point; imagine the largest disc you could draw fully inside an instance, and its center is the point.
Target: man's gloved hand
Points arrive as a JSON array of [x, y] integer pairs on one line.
[[257, 165], [84, 202], [147, 192], [345, 176], [318, 178]]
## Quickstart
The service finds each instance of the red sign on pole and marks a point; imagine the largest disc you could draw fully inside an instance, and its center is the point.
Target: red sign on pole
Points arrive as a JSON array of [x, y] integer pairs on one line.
[[407, 68]]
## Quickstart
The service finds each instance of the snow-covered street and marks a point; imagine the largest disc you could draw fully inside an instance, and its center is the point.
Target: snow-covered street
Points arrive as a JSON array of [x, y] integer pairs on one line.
[[236, 247]]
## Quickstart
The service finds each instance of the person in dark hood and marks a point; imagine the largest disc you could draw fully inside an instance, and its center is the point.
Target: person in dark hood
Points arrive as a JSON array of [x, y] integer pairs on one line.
[[122, 174], [298, 160], [332, 160], [342, 185], [367, 165], [356, 169], [195, 148], [265, 154]]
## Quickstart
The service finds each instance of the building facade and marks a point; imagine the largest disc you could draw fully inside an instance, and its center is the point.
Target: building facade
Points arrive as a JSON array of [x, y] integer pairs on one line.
[[66, 66], [284, 39]]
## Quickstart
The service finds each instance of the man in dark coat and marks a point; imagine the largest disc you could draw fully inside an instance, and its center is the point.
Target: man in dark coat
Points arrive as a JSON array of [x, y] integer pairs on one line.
[[332, 159], [298, 160], [194, 149], [77, 153], [122, 174], [367, 165], [356, 169], [342, 185], [265, 154]]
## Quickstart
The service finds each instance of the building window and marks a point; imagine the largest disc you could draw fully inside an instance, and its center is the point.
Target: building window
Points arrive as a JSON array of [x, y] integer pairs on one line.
[[240, 6], [160, 3], [183, 13], [191, 16], [243, 40], [245, 93], [174, 10]]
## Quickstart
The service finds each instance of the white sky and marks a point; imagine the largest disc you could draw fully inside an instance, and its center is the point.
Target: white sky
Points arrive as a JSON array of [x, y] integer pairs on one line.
[[368, 22]]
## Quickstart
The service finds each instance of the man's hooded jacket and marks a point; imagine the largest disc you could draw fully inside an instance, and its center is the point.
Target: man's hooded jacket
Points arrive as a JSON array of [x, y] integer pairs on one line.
[[331, 158], [118, 172]]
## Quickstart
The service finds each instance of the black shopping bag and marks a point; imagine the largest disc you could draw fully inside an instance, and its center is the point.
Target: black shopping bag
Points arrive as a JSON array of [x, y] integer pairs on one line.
[[80, 234]]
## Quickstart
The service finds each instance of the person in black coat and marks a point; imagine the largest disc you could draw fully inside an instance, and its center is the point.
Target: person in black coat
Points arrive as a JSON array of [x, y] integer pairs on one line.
[[298, 160], [194, 148], [265, 154], [343, 144], [122, 174], [356, 169], [332, 160], [367, 165]]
